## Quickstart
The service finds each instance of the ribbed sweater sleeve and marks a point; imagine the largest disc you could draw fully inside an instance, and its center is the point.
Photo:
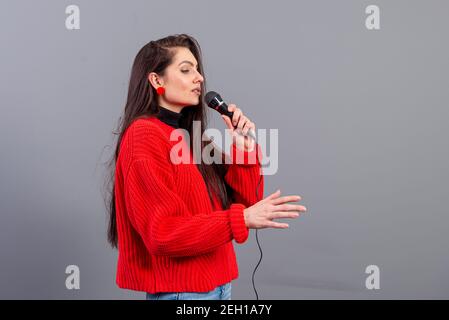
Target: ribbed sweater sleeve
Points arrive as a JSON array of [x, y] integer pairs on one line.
[[162, 219], [244, 175]]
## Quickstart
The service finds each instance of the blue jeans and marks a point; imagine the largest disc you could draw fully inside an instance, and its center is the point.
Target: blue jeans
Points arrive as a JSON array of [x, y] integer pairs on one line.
[[222, 292]]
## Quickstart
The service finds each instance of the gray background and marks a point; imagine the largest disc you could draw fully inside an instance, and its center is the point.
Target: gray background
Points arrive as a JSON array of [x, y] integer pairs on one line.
[[362, 118]]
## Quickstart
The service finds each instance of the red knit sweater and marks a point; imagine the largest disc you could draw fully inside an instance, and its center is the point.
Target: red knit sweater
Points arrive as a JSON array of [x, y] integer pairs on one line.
[[169, 237]]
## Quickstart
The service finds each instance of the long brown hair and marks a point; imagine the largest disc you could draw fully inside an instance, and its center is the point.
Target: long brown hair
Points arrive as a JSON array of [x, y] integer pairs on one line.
[[156, 56]]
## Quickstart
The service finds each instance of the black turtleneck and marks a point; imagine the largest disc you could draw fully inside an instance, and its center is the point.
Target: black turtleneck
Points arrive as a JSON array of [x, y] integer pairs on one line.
[[169, 117]]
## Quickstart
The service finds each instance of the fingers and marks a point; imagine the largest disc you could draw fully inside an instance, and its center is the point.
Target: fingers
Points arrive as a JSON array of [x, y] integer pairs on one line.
[[248, 126], [240, 121], [290, 207], [277, 208], [232, 107], [280, 215], [236, 117], [228, 123], [272, 224], [284, 215], [274, 195], [285, 199], [237, 112]]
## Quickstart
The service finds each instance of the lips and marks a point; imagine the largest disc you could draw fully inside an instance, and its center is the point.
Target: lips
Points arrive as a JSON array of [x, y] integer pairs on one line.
[[197, 91]]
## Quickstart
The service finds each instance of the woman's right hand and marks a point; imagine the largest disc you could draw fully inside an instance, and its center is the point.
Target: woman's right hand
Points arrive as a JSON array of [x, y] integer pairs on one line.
[[259, 215]]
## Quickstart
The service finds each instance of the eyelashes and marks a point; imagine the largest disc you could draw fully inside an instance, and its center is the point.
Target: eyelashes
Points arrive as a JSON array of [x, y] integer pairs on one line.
[[185, 71]]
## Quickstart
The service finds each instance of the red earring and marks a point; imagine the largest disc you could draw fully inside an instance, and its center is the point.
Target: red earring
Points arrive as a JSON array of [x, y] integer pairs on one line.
[[160, 91]]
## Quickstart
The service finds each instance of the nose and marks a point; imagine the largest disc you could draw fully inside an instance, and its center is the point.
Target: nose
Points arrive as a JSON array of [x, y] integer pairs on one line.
[[200, 77]]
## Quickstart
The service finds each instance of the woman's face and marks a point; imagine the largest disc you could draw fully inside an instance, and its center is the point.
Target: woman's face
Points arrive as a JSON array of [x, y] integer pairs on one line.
[[180, 81]]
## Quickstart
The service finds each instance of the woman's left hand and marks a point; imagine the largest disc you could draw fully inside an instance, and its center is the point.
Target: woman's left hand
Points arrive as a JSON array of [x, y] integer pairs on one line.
[[242, 142]]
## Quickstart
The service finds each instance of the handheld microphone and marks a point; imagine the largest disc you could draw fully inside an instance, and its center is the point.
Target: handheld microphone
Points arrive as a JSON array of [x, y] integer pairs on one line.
[[214, 101]]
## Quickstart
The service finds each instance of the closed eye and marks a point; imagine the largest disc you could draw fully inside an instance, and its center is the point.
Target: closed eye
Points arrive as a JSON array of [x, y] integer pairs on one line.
[[185, 71]]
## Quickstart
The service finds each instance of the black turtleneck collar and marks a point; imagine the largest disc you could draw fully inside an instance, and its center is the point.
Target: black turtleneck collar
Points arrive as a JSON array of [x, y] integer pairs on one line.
[[169, 117]]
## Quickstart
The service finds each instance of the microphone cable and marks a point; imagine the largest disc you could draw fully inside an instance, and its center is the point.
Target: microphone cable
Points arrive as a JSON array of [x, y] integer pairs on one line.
[[257, 239]]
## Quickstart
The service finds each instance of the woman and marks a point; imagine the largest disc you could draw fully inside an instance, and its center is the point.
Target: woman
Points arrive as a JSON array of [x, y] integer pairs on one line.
[[173, 224]]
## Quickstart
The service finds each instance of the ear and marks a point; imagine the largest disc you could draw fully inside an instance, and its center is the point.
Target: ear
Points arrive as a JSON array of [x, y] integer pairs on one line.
[[155, 80]]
